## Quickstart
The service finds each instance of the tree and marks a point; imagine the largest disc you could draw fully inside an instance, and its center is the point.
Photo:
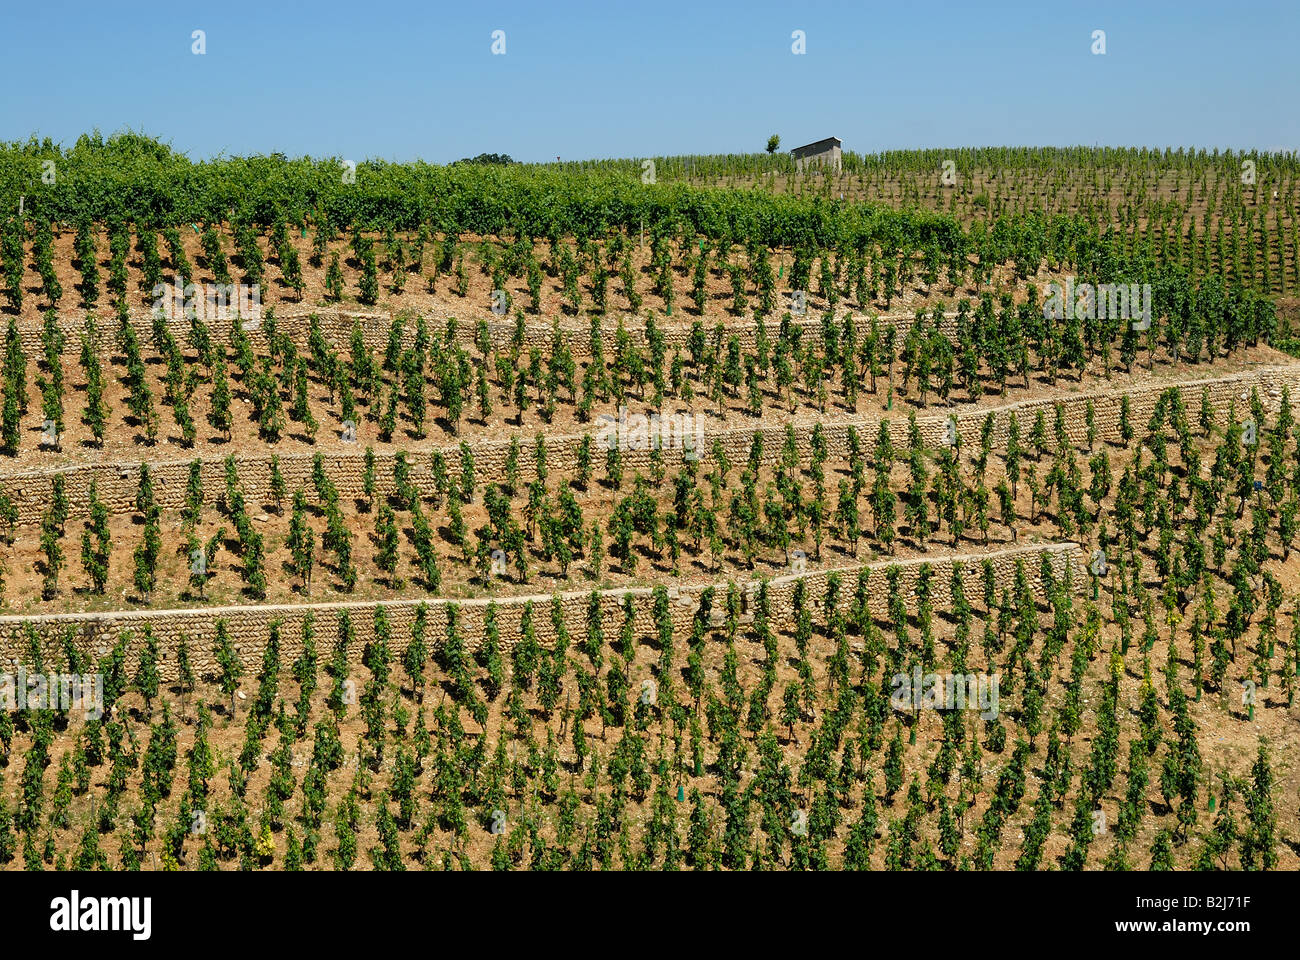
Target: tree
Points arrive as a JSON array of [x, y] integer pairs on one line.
[[148, 677], [773, 143], [791, 710], [1162, 852], [146, 557], [184, 668], [96, 542], [201, 557], [11, 417], [87, 260], [301, 410], [596, 549], [883, 501], [53, 551], [219, 416], [229, 664], [1181, 774], [95, 413], [301, 542], [1259, 838], [386, 538], [334, 280], [426, 556], [277, 483], [369, 284], [894, 763], [12, 255], [292, 270], [847, 517], [468, 473], [368, 479]]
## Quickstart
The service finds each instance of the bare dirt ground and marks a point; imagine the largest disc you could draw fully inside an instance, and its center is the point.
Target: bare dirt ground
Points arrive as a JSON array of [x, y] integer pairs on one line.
[[125, 440], [445, 299], [1228, 737]]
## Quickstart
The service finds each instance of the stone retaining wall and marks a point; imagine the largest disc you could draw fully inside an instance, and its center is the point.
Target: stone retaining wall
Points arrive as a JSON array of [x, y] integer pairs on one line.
[[117, 482], [95, 633], [336, 326]]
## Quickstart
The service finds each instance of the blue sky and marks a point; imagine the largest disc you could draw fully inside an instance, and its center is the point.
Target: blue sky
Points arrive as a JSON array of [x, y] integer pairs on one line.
[[402, 81]]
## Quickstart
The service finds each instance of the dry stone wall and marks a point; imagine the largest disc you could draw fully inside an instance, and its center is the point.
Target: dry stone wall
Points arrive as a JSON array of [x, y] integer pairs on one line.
[[94, 634], [337, 324], [116, 483]]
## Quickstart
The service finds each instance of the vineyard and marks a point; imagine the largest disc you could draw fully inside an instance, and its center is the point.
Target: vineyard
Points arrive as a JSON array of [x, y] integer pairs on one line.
[[561, 517]]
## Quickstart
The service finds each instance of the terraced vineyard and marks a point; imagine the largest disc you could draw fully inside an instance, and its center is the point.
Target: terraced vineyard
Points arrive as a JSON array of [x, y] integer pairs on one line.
[[818, 544]]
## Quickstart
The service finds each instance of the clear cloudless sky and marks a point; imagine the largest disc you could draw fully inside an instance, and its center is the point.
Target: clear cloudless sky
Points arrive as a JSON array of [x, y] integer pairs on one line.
[[361, 79]]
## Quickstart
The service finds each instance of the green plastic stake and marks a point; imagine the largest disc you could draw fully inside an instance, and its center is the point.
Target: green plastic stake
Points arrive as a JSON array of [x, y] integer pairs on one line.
[[1211, 803], [681, 794]]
